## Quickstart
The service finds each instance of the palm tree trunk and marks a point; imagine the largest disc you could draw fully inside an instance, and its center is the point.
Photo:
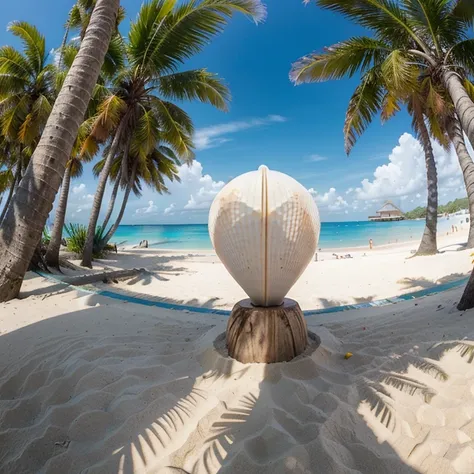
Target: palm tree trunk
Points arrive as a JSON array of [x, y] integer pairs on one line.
[[16, 179], [52, 254], [114, 228], [467, 166], [27, 214], [462, 102], [99, 195], [428, 244], [113, 197]]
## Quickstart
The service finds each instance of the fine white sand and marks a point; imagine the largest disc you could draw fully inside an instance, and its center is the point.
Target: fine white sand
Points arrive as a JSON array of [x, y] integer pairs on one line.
[[89, 384], [198, 278]]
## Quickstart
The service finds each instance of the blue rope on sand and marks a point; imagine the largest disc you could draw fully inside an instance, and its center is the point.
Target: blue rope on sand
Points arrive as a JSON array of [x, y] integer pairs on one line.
[[221, 312]]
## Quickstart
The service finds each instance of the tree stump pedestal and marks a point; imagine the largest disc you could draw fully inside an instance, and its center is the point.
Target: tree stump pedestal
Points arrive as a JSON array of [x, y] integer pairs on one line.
[[266, 334]]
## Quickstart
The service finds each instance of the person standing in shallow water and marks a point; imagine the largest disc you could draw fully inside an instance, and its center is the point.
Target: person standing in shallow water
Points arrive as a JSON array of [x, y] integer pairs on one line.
[[371, 244]]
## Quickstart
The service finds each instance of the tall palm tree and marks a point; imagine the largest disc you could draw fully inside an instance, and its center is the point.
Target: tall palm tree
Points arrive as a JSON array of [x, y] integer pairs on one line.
[[26, 86], [26, 98], [82, 152], [150, 169], [392, 62], [435, 34], [25, 219], [85, 147], [165, 34], [383, 89]]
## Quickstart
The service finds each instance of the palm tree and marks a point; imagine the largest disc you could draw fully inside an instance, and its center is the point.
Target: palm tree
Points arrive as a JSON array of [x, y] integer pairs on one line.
[[85, 147], [74, 168], [164, 35], [26, 98], [432, 33], [383, 89], [26, 216], [151, 169], [391, 67]]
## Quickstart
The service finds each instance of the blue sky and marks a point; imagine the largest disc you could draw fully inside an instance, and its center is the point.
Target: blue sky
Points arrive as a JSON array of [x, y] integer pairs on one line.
[[296, 130]]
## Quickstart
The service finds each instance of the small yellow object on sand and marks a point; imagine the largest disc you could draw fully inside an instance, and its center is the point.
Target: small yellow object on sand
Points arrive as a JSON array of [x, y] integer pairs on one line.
[[348, 355]]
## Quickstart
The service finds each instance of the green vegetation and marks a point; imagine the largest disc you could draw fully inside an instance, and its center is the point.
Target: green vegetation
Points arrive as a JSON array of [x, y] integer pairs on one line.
[[76, 239], [449, 208]]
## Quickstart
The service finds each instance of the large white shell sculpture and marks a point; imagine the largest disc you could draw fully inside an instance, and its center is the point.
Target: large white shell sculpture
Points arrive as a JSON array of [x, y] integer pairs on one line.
[[264, 227]]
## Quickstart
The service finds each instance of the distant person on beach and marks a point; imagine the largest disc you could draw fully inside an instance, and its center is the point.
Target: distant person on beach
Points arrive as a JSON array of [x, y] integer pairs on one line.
[[371, 244]]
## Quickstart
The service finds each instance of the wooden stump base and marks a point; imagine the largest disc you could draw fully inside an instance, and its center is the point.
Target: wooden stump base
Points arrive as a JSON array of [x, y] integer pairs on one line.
[[261, 334]]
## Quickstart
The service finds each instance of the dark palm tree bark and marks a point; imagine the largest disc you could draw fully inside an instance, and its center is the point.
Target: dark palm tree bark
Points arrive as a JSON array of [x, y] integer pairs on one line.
[[16, 179], [462, 102], [428, 244], [33, 200], [113, 197], [114, 228], [467, 166], [99, 195], [52, 254]]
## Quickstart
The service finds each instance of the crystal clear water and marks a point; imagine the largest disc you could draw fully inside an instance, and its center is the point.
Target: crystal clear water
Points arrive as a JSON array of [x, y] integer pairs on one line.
[[333, 234]]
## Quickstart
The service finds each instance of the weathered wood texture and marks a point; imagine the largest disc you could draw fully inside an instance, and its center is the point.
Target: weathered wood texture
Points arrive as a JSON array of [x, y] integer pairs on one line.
[[266, 334]]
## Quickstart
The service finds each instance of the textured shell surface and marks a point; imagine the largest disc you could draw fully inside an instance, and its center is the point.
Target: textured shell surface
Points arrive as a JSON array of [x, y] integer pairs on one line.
[[264, 227]]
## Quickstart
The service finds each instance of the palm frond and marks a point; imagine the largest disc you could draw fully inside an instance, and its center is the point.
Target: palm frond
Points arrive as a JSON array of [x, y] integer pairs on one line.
[[464, 10], [357, 54], [390, 106], [427, 15], [363, 105], [177, 128], [165, 34], [197, 84], [385, 17], [462, 55], [400, 74], [34, 43], [14, 71]]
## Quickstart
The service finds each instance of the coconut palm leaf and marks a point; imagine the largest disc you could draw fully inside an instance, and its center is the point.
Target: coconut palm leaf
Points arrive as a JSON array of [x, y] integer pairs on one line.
[[363, 106], [357, 54], [197, 84], [34, 43], [166, 34], [177, 127], [386, 17]]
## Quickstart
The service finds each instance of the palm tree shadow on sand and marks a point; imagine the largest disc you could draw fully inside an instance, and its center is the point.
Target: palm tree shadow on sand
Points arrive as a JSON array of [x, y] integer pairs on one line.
[[108, 390]]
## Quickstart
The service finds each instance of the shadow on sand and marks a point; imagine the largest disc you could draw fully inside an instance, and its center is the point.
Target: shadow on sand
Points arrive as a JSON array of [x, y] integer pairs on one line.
[[118, 389]]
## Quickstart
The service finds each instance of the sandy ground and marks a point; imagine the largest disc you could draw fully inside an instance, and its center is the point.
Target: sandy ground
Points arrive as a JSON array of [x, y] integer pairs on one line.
[[89, 384], [198, 278]]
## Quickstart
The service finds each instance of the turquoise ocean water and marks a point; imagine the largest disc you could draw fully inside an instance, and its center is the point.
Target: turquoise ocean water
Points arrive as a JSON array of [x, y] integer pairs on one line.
[[334, 235]]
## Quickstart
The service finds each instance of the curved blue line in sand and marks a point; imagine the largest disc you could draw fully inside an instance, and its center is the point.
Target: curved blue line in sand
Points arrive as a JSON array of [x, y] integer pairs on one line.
[[196, 309]]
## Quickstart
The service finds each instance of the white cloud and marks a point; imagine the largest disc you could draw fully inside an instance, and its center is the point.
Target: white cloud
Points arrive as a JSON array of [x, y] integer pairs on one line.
[[405, 174], [316, 158], [194, 193], [169, 210], [330, 200], [147, 210], [79, 189], [211, 137]]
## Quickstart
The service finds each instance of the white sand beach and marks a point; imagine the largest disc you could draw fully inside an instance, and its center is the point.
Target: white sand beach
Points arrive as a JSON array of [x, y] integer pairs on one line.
[[92, 384], [198, 278]]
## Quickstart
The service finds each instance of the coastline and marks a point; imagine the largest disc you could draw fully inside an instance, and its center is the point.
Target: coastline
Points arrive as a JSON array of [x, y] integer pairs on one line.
[[197, 277]]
